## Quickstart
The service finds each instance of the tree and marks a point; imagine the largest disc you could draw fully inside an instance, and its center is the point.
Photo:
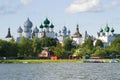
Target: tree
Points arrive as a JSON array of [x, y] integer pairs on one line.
[[13, 49], [25, 47], [59, 51], [67, 44], [101, 53], [8, 49], [4, 48], [47, 42], [116, 41], [99, 43], [36, 46], [88, 43], [115, 46]]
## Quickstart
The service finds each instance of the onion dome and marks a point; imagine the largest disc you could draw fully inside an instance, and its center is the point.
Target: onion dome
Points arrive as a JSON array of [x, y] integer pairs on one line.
[[51, 26], [20, 30], [59, 31], [36, 30], [41, 26], [28, 24], [112, 30], [26, 30], [107, 28], [46, 26], [64, 28], [101, 30], [46, 21], [69, 31], [56, 34]]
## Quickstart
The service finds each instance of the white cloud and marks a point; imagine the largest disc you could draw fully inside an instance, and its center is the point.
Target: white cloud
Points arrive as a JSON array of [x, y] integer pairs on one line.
[[83, 6], [25, 2], [89, 6]]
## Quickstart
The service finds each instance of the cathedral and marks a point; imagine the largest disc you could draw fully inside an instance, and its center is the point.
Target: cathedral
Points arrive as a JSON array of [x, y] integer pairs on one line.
[[106, 35], [46, 30]]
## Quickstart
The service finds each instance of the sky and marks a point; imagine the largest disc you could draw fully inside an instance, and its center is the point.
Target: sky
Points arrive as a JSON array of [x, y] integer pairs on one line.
[[90, 15]]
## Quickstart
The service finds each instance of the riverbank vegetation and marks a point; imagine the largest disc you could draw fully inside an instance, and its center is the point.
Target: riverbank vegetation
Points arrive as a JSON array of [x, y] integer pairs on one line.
[[31, 48]]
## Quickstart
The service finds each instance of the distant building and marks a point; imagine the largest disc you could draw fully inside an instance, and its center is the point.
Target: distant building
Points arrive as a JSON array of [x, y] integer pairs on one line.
[[46, 30], [9, 36], [79, 38], [106, 36], [63, 34]]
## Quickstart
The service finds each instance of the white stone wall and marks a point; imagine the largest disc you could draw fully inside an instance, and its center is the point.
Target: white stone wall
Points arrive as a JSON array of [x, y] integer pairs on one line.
[[78, 40]]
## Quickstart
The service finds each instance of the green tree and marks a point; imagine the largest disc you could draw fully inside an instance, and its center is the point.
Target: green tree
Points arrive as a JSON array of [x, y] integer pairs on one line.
[[4, 46], [36, 46], [115, 47], [88, 43], [59, 51], [101, 53], [116, 41], [67, 44], [8, 48], [25, 47], [99, 43], [47, 42]]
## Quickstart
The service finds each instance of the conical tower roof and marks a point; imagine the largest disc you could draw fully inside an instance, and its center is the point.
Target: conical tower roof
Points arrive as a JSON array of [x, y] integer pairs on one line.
[[77, 33], [9, 34]]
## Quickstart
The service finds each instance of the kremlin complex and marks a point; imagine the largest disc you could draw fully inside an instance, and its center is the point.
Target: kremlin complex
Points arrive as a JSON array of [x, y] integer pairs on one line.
[[46, 29]]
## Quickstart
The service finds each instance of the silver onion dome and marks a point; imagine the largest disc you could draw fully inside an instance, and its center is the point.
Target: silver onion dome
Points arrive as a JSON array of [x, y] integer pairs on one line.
[[64, 28], [28, 24], [69, 31], [36, 30], [26, 30], [56, 34], [20, 30]]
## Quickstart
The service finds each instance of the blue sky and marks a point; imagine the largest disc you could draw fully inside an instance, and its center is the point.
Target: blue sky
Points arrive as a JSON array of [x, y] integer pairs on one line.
[[91, 15]]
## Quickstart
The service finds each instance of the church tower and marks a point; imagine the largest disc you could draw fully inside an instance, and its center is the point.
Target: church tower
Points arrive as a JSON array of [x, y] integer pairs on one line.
[[8, 34], [36, 31], [27, 28], [77, 37], [20, 30]]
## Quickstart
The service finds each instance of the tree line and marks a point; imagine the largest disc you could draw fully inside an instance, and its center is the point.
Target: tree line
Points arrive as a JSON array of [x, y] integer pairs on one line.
[[31, 48]]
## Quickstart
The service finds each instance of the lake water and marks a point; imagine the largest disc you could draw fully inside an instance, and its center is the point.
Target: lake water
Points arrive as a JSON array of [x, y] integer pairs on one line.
[[60, 71]]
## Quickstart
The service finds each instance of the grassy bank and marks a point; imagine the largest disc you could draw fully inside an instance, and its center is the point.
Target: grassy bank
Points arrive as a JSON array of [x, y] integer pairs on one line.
[[47, 61], [38, 61]]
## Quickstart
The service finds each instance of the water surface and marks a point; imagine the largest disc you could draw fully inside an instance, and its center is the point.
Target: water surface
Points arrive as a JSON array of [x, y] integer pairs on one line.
[[60, 71]]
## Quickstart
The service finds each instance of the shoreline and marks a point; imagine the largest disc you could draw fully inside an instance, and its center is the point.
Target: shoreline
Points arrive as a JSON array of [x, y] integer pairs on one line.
[[51, 61], [38, 61]]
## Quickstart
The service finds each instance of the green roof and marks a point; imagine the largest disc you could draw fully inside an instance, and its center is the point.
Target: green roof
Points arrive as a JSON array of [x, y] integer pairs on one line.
[[101, 30], [46, 26], [41, 26], [112, 30], [46, 21], [107, 29], [51, 26]]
